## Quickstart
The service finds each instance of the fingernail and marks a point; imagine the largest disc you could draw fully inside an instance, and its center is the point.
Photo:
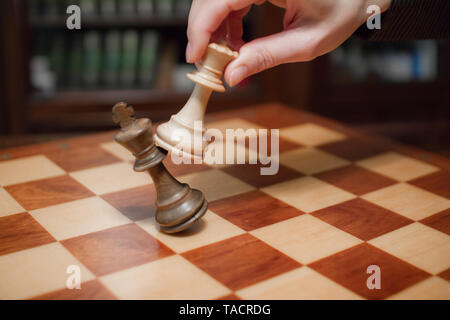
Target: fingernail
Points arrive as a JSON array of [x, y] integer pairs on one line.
[[188, 53], [237, 75]]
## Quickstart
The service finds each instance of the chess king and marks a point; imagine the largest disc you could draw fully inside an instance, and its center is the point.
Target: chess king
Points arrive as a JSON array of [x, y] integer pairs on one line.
[[178, 206], [180, 135]]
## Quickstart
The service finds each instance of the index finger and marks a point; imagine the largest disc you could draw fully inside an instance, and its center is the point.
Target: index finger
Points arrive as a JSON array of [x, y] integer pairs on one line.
[[204, 18]]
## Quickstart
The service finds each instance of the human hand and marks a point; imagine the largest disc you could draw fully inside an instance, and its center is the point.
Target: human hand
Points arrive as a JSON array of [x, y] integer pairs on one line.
[[311, 29]]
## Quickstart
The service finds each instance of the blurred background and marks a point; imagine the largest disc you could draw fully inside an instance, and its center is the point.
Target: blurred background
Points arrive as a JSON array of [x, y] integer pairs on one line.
[[57, 82]]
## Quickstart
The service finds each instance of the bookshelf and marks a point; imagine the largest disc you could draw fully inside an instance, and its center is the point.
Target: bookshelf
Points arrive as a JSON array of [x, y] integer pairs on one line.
[[411, 104], [104, 22], [405, 86], [68, 80], [405, 97]]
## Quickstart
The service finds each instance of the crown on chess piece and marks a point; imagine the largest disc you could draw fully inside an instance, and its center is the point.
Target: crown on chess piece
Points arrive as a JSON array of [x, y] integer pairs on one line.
[[179, 134], [178, 206], [211, 67], [137, 137]]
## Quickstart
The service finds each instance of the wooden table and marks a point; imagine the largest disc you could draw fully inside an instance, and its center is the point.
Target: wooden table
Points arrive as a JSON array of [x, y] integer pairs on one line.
[[340, 203]]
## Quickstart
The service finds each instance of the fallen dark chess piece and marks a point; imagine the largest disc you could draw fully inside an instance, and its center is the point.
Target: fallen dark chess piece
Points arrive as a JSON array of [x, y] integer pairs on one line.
[[178, 206]]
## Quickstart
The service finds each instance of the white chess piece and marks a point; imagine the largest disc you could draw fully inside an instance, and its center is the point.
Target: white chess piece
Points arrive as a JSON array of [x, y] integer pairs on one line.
[[178, 134]]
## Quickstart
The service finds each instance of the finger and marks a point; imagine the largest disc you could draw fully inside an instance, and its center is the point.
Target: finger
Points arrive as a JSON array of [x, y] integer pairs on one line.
[[292, 45], [235, 28], [204, 18], [279, 3], [235, 32], [231, 30], [221, 32]]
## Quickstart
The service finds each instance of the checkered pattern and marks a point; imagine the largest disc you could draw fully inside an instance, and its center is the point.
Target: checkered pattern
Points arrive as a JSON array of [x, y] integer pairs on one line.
[[340, 203]]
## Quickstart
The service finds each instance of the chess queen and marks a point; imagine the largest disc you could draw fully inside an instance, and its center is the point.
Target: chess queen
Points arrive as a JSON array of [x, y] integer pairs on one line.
[[179, 134]]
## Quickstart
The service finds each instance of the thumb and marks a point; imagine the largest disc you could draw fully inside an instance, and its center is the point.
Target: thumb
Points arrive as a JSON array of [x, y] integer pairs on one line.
[[258, 55]]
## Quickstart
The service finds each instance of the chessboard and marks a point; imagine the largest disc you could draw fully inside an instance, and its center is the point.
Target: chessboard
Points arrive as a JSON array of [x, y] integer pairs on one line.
[[341, 202]]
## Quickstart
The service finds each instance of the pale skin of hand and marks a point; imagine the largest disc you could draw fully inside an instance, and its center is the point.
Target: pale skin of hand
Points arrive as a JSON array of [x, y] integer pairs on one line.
[[311, 28]]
